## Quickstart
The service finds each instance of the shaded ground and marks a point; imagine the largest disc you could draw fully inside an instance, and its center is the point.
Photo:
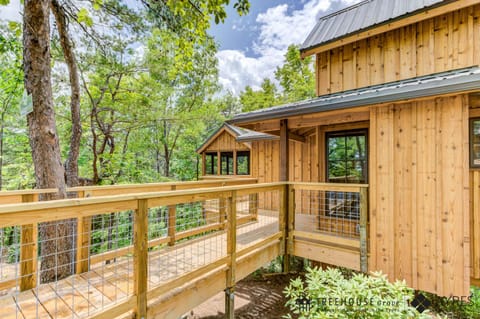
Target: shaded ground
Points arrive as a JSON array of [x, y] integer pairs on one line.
[[255, 297]]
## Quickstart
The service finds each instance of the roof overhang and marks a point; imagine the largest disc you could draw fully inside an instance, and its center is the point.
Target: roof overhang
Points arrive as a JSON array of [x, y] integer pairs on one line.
[[456, 81]]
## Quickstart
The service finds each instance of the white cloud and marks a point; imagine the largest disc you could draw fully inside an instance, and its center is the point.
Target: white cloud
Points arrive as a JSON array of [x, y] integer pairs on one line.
[[278, 28], [11, 12]]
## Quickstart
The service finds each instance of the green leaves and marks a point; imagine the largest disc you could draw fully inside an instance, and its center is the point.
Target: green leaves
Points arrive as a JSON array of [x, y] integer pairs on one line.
[[83, 16], [333, 294], [4, 2]]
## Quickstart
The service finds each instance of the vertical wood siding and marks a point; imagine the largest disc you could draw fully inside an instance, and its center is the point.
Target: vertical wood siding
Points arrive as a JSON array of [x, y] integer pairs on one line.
[[447, 42], [419, 194]]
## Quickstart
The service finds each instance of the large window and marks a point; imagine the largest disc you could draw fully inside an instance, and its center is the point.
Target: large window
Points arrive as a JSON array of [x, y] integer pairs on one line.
[[347, 157], [226, 163], [243, 163], [211, 163], [475, 142], [346, 163]]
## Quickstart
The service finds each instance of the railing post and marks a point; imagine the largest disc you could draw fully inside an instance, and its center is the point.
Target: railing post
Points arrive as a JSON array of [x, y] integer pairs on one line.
[[363, 230], [222, 203], [253, 205], [84, 227], [232, 253], [172, 221], [28, 251], [140, 258], [287, 210]]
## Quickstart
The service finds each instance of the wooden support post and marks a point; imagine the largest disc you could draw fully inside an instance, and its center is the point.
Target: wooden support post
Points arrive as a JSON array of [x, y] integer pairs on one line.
[[84, 228], [363, 230], [234, 162], [222, 208], [284, 145], [172, 221], [219, 164], [140, 258], [282, 218], [253, 205], [28, 251], [204, 162], [232, 254], [284, 176]]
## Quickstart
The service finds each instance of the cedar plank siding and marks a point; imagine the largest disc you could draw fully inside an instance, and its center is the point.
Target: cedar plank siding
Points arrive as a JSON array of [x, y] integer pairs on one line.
[[434, 45]]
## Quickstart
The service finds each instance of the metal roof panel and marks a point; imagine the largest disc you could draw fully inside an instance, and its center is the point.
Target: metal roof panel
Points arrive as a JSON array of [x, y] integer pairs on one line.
[[365, 15]]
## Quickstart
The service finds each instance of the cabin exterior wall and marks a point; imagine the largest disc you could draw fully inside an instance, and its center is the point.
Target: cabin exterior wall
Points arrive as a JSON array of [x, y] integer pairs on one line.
[[447, 42], [226, 142]]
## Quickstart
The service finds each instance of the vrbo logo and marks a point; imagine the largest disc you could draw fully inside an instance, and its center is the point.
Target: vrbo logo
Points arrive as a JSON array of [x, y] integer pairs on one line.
[[422, 302]]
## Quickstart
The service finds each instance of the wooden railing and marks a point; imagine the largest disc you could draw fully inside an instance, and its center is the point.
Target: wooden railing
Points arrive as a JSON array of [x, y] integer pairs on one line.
[[150, 300], [327, 235]]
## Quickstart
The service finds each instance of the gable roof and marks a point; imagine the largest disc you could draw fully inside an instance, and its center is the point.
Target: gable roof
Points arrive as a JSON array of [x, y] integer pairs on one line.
[[240, 134], [461, 80], [362, 16]]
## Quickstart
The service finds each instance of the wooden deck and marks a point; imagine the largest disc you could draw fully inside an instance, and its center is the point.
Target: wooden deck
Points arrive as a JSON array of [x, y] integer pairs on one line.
[[87, 294]]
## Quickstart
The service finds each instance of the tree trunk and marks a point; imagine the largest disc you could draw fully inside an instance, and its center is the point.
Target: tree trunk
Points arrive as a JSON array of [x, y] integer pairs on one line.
[[71, 164], [56, 238]]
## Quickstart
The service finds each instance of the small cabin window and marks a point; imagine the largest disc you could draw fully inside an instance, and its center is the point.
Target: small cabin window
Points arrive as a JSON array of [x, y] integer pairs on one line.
[[226, 163], [346, 155], [243, 163], [475, 143], [211, 163]]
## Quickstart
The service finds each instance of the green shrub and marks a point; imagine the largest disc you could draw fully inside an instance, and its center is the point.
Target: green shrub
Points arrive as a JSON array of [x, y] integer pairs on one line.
[[328, 294], [453, 308]]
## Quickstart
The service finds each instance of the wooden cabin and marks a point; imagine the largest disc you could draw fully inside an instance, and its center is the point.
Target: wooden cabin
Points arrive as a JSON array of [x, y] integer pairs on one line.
[[398, 109]]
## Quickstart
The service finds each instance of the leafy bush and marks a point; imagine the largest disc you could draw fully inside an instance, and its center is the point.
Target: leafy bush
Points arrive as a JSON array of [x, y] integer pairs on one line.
[[328, 294], [453, 308]]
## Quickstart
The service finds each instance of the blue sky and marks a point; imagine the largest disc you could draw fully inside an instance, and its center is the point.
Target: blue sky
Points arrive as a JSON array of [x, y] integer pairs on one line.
[[252, 46]]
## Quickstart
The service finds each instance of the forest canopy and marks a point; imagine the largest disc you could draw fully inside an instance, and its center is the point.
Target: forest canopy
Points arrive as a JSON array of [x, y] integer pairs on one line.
[[148, 90]]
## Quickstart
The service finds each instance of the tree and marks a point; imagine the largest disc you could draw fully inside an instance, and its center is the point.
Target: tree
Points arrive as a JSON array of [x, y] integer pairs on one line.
[[10, 80], [296, 76], [252, 100], [189, 19]]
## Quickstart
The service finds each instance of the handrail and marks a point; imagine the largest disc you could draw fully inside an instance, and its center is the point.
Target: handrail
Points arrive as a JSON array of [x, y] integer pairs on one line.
[[33, 213], [128, 188]]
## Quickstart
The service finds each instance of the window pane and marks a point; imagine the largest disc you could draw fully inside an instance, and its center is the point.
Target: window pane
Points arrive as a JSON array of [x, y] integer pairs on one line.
[[347, 157], [211, 164], [475, 142], [336, 148], [337, 171], [355, 147], [226, 163], [243, 163]]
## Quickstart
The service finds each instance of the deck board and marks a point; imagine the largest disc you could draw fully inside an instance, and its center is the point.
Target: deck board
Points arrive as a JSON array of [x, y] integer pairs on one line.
[[80, 296]]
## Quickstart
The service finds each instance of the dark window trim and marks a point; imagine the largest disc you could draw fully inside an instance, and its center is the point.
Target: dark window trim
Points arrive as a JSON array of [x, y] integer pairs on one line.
[[213, 167], [346, 133], [247, 154], [226, 155], [470, 142]]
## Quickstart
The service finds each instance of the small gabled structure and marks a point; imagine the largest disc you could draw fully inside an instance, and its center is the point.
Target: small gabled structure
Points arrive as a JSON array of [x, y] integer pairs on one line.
[[232, 145]]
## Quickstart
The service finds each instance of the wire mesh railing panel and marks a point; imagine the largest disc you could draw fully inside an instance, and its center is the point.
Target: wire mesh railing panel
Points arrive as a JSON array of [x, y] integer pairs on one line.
[[334, 213], [196, 238], [70, 268], [9, 254], [254, 223]]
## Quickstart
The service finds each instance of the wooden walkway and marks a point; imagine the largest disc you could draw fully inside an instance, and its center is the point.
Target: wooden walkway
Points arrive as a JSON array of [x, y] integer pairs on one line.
[[87, 294]]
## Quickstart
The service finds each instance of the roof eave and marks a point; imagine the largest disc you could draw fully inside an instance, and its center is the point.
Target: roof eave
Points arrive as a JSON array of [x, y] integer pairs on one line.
[[422, 90]]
